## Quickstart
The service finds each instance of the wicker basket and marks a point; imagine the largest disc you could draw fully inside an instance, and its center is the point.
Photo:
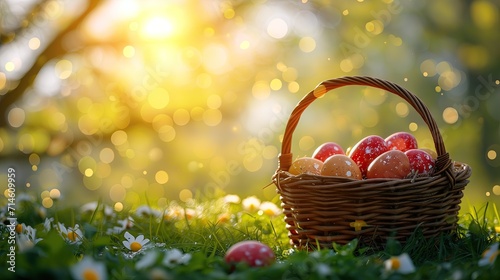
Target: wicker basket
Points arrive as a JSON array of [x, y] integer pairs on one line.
[[322, 210]]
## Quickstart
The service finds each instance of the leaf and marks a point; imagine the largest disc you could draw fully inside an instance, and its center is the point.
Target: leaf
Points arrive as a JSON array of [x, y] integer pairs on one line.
[[347, 249]]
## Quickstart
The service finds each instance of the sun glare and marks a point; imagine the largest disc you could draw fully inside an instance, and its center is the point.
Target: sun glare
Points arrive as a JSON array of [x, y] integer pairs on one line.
[[157, 27]]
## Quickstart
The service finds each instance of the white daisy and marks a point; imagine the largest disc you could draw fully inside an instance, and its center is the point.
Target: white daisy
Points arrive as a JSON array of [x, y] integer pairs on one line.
[[191, 213], [175, 212], [25, 197], [175, 257], [489, 255], [47, 224], [123, 225], [88, 268], [147, 260], [145, 211], [73, 235], [27, 239], [269, 209], [159, 273], [92, 206], [232, 198], [42, 212], [89, 207], [134, 244], [251, 203], [20, 228], [402, 264], [323, 269]]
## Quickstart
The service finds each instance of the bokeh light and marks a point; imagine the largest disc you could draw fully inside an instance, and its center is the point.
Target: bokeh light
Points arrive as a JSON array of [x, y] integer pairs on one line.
[[154, 101], [118, 207], [54, 194], [277, 28], [16, 117], [34, 43], [161, 177], [450, 115]]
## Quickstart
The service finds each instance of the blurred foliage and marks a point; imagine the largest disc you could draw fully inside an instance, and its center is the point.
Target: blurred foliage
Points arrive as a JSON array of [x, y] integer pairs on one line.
[[153, 101]]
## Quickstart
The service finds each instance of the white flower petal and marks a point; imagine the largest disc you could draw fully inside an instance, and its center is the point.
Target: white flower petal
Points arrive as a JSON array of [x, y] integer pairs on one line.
[[489, 255], [129, 236], [87, 263], [185, 259], [483, 262], [139, 238], [147, 261], [323, 269], [406, 264], [62, 228]]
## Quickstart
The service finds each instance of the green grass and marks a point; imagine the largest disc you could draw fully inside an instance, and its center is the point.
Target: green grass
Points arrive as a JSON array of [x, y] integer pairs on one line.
[[203, 232]]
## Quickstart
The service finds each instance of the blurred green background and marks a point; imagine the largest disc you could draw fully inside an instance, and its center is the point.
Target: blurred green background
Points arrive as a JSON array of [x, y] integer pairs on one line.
[[152, 101]]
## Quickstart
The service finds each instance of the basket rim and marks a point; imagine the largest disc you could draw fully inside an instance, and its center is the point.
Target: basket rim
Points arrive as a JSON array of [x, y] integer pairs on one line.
[[444, 164]]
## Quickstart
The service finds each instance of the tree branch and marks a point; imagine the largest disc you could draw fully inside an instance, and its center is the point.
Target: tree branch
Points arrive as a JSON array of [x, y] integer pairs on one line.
[[7, 36], [54, 49]]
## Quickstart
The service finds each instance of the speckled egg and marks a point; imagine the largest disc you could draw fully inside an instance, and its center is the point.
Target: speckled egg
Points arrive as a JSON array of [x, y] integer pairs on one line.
[[421, 162], [366, 150], [431, 152], [307, 165], [391, 164], [342, 166]]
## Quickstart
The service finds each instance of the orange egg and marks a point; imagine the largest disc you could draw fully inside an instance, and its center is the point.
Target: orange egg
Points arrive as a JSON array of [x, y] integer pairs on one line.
[[306, 165], [342, 166], [391, 164]]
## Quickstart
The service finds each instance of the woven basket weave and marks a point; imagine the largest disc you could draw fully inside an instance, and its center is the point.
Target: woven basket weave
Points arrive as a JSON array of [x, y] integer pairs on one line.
[[322, 210]]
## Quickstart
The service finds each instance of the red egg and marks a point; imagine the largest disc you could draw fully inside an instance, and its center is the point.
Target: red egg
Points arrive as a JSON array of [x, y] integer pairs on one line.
[[431, 152], [421, 162], [326, 150], [402, 141], [253, 253], [366, 150], [391, 164]]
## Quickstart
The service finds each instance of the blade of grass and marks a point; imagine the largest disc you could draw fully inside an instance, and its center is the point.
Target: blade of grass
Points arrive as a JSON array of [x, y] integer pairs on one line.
[[99, 202]]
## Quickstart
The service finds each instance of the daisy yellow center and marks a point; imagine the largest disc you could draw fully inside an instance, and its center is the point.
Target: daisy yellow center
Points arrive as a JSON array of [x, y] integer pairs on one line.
[[72, 235], [224, 218], [90, 274], [252, 207], [135, 246], [395, 263], [269, 212], [19, 228], [494, 256]]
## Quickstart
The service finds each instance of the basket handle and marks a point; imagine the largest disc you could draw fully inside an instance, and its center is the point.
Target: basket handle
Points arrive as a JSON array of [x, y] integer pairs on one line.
[[443, 162]]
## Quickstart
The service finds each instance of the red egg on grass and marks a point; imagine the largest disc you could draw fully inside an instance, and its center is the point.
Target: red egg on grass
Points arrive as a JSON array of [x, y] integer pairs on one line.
[[254, 253]]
